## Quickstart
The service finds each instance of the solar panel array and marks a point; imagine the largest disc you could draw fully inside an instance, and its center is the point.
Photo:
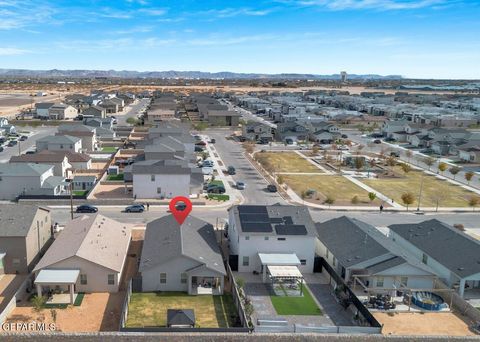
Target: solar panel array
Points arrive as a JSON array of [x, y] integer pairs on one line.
[[255, 219]]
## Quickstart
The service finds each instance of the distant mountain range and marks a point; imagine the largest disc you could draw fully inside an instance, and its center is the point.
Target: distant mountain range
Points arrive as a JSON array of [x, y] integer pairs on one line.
[[54, 73]]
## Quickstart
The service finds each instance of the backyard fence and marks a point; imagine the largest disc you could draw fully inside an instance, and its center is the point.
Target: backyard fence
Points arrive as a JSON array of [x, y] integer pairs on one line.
[[124, 313], [362, 309], [236, 297], [19, 295], [458, 303]]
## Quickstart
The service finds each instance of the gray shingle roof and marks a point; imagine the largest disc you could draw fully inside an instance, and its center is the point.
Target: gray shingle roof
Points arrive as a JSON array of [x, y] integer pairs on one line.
[[450, 247], [347, 239], [386, 264], [95, 238], [60, 139], [165, 240], [16, 219], [23, 169]]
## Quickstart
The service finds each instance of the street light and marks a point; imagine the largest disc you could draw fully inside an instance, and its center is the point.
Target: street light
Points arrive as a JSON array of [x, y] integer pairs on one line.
[[420, 193]]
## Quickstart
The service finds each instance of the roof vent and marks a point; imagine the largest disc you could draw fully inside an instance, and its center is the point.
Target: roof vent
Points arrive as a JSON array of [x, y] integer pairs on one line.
[[460, 268]]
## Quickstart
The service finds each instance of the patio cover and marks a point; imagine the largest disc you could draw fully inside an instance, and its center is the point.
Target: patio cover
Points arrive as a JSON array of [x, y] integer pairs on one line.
[[284, 272], [49, 277], [279, 259]]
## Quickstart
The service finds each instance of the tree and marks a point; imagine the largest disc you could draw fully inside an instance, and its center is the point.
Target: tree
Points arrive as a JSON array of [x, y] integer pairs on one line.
[[454, 170], [429, 161], [438, 196], [355, 200], [38, 303], [132, 121], [408, 154], [359, 163], [391, 161], [329, 200], [408, 199], [372, 196], [473, 201], [442, 167], [468, 176], [406, 168]]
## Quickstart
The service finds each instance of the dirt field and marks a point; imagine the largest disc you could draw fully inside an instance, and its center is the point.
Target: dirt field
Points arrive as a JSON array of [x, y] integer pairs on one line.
[[285, 162], [440, 324], [98, 312]]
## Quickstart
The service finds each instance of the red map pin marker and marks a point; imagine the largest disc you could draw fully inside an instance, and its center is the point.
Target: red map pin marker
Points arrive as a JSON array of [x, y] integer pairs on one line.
[[180, 212]]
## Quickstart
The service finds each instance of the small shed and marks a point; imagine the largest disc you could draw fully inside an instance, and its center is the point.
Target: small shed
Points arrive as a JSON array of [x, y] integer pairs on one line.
[[180, 318]]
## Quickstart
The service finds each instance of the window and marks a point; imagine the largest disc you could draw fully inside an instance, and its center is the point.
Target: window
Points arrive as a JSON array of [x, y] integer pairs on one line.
[[281, 239], [303, 261], [61, 146], [111, 279], [403, 281], [425, 259], [163, 278], [266, 238], [247, 237], [183, 278], [159, 190], [334, 261], [152, 178], [379, 281], [245, 261], [83, 279], [327, 255]]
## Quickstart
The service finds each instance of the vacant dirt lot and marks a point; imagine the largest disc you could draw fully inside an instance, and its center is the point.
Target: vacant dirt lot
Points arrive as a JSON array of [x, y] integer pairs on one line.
[[440, 324], [285, 162]]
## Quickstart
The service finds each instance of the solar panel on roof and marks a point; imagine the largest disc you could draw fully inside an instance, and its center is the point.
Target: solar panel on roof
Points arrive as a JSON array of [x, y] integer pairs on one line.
[[257, 227], [291, 229], [252, 209], [288, 220], [276, 220], [254, 218]]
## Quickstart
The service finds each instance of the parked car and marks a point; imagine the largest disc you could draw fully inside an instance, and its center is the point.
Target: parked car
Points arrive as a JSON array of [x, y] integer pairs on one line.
[[376, 135], [86, 208], [2, 140], [207, 163], [389, 139], [1, 149], [231, 170], [199, 149], [377, 141], [395, 154], [30, 152], [201, 143], [23, 138], [212, 141], [12, 143], [344, 136], [241, 185], [135, 208], [289, 141], [342, 148], [272, 188], [180, 206]]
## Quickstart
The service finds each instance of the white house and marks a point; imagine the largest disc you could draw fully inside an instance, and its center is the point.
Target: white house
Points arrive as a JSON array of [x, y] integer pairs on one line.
[[359, 253], [181, 257], [260, 236], [42, 109], [451, 254], [28, 179], [165, 179], [62, 111], [59, 143]]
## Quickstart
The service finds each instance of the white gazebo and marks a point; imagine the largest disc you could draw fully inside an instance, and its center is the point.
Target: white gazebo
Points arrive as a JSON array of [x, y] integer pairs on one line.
[[58, 279]]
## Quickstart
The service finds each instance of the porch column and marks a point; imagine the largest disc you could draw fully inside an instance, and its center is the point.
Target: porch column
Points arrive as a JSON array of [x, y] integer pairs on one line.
[[72, 294], [222, 279], [461, 289], [189, 284], [39, 290], [264, 273]]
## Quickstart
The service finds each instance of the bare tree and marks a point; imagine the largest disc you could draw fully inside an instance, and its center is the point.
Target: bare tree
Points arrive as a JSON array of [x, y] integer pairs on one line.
[[468, 176], [454, 170], [437, 197], [329, 200], [429, 161], [391, 161], [473, 201], [408, 199]]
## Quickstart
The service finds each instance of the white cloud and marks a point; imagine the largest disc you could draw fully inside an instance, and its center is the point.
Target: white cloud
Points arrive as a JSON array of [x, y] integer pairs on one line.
[[233, 12], [337, 5], [153, 11], [8, 51]]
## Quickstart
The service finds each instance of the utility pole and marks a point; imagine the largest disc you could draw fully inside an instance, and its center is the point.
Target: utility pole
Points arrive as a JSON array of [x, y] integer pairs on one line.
[[420, 193], [71, 198]]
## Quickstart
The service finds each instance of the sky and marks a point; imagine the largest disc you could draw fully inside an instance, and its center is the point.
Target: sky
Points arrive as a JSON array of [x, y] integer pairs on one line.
[[412, 38]]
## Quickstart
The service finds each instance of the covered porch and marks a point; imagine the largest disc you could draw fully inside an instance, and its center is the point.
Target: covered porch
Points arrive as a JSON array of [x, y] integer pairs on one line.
[[57, 285], [202, 281], [286, 280], [277, 259]]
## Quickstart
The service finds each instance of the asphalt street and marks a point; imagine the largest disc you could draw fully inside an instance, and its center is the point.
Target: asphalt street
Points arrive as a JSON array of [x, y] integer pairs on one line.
[[131, 111], [37, 133]]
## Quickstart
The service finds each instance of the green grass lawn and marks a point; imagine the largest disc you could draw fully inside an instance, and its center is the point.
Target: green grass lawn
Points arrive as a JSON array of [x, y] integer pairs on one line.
[[80, 192], [150, 309], [304, 306], [109, 149], [216, 182], [118, 177], [285, 162], [449, 195]]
